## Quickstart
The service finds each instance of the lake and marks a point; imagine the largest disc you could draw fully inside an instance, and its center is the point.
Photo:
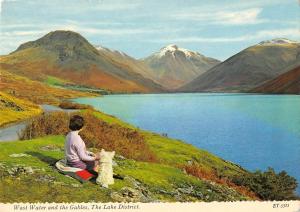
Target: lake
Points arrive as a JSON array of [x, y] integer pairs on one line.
[[255, 131]]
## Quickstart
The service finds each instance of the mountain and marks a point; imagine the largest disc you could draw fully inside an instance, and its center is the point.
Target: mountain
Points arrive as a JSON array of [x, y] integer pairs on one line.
[[173, 66], [122, 58], [68, 55], [287, 83], [249, 68]]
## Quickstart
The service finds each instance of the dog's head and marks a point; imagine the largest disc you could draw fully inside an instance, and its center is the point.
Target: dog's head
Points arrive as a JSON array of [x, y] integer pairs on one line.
[[106, 157]]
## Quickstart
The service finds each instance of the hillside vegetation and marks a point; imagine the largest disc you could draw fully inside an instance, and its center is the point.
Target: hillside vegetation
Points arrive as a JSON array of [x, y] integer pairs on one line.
[[287, 83], [34, 91], [13, 109], [28, 164], [68, 55]]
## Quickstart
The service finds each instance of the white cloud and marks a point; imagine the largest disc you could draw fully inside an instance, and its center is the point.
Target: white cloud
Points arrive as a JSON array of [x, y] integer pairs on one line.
[[22, 33], [241, 17], [117, 31], [12, 39], [290, 33]]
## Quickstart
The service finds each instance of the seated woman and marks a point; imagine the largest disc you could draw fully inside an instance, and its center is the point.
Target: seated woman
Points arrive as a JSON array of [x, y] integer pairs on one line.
[[75, 150]]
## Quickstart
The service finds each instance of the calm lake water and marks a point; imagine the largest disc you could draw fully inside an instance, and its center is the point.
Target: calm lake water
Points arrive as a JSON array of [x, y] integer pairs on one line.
[[255, 131]]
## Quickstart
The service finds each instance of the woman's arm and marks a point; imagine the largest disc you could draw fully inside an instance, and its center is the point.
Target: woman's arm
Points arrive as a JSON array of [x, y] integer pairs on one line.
[[82, 153]]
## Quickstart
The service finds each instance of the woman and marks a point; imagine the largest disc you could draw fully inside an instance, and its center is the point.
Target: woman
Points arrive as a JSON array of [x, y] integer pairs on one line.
[[75, 150]]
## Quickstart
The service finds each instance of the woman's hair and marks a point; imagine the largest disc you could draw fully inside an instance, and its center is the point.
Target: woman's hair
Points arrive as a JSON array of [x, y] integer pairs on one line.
[[76, 123]]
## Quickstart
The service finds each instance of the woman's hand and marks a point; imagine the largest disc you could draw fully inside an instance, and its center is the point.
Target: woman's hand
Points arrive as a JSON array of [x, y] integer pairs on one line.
[[97, 156], [91, 154]]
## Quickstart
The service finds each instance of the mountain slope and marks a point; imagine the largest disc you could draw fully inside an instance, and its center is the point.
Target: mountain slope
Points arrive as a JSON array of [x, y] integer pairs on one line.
[[68, 55], [287, 83], [34, 91], [173, 66], [123, 59], [13, 109], [249, 68]]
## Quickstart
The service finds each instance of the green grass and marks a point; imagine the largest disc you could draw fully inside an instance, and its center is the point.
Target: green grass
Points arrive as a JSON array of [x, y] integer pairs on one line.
[[50, 80], [153, 176], [162, 180]]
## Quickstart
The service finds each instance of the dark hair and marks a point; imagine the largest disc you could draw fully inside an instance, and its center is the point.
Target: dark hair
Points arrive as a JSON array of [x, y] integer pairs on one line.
[[76, 123]]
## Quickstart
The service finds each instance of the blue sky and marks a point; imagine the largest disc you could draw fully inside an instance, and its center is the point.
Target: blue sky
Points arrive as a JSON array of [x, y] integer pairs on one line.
[[215, 28]]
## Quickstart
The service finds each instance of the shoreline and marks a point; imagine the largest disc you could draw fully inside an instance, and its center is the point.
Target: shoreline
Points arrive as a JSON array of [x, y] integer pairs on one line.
[[9, 131]]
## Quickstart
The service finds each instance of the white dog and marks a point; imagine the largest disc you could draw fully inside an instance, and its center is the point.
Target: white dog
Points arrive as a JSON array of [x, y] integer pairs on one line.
[[105, 173]]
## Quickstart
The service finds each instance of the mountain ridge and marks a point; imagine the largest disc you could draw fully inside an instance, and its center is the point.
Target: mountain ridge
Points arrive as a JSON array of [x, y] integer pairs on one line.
[[68, 55], [246, 69]]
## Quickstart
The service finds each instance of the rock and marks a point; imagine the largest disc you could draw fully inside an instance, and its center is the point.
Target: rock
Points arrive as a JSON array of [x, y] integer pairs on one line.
[[76, 185], [59, 183], [179, 198], [132, 181], [28, 170], [198, 194], [127, 194], [18, 170], [19, 155], [188, 190], [45, 178], [167, 192]]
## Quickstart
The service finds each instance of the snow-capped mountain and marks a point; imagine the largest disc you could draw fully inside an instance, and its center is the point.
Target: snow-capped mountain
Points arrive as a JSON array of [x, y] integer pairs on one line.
[[171, 49], [105, 49], [277, 41], [174, 66], [249, 68]]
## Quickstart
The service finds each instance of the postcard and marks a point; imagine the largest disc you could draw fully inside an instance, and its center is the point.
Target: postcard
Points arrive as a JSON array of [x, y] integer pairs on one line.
[[135, 105]]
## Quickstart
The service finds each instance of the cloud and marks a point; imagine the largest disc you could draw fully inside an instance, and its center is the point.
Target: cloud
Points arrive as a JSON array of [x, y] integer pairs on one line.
[[22, 33], [19, 34], [113, 31], [22, 30], [241, 17], [290, 33]]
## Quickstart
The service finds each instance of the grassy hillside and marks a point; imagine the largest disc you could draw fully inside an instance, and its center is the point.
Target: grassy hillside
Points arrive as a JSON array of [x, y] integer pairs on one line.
[[287, 83], [28, 166], [37, 92], [68, 55], [13, 109]]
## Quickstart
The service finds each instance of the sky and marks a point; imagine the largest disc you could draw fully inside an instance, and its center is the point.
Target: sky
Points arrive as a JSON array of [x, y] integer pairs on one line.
[[215, 28]]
